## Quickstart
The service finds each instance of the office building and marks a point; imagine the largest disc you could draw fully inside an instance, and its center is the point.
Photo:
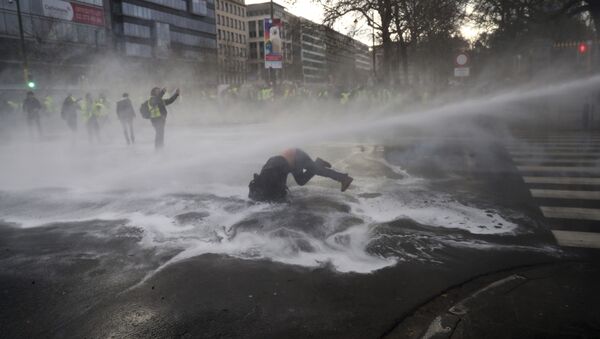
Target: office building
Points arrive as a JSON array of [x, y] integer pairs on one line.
[[62, 39], [232, 38], [256, 15], [175, 39], [309, 51]]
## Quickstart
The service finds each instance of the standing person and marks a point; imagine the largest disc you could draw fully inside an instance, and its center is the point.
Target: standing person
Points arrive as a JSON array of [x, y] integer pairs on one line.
[[270, 184], [102, 105], [68, 112], [32, 107], [125, 113], [90, 116], [157, 106], [49, 105]]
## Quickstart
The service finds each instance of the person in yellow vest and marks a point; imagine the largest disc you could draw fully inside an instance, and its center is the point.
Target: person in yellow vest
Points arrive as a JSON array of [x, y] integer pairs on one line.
[[49, 105], [90, 117], [344, 97], [158, 113]]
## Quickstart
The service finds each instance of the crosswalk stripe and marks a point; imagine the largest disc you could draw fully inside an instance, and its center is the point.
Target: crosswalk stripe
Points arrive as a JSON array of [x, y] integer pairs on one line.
[[565, 194], [526, 161], [571, 213], [553, 149], [545, 153], [562, 180], [590, 170], [577, 239], [554, 143]]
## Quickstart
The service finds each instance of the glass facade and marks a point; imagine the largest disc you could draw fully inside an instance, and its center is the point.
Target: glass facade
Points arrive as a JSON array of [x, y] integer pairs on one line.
[[139, 50], [48, 29], [172, 19], [193, 40], [134, 30]]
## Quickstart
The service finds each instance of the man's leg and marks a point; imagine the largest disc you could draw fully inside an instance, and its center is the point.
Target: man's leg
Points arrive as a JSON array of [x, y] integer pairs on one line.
[[124, 126], [159, 126], [90, 130], [131, 135], [30, 127], [306, 168], [38, 126]]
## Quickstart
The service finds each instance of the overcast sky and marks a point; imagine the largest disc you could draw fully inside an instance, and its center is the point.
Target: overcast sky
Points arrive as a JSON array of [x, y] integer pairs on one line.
[[308, 9]]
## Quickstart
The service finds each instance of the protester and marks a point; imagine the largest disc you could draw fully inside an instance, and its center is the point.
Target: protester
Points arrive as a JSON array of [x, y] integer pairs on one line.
[[32, 107], [90, 116], [156, 111], [69, 112], [270, 184], [125, 113]]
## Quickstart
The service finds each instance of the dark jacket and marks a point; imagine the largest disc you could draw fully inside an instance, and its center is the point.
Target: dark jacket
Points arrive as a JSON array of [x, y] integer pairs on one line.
[[162, 104], [32, 106], [69, 108], [125, 109], [270, 184]]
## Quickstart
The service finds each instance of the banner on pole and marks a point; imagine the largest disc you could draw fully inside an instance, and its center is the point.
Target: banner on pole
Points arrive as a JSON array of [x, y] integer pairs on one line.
[[273, 43]]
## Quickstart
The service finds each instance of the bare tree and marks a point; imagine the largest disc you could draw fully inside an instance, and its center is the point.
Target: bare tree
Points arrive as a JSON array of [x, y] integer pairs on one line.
[[399, 24], [575, 7]]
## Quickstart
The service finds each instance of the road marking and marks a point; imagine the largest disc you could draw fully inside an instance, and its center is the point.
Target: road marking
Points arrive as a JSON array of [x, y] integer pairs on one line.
[[577, 239], [548, 154], [562, 180], [571, 213], [553, 143], [565, 194], [552, 149], [526, 161], [591, 170]]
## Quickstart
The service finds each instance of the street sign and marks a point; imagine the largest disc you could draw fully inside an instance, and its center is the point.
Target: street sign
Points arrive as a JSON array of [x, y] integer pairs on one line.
[[461, 72], [462, 60]]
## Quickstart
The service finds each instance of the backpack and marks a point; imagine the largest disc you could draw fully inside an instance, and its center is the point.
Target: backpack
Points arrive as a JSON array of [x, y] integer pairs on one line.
[[145, 110]]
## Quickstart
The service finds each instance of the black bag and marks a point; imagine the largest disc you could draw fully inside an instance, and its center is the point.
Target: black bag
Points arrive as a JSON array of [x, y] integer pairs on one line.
[[145, 110]]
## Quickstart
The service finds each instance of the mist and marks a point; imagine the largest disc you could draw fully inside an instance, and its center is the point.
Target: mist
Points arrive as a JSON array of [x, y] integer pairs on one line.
[[192, 195]]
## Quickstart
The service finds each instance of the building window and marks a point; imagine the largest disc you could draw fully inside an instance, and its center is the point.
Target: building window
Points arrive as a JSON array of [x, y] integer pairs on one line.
[[252, 29], [261, 29], [253, 54], [261, 48]]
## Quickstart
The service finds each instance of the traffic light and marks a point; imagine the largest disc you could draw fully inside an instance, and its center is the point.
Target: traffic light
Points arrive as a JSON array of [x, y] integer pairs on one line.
[[31, 82], [582, 48]]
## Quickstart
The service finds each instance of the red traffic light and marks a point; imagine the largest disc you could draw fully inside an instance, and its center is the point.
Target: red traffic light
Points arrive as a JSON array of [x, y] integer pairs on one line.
[[582, 48]]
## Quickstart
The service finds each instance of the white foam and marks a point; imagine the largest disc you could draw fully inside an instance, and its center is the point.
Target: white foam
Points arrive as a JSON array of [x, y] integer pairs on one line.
[[381, 193]]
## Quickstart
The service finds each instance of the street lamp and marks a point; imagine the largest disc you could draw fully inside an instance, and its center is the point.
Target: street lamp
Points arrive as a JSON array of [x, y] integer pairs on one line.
[[30, 83]]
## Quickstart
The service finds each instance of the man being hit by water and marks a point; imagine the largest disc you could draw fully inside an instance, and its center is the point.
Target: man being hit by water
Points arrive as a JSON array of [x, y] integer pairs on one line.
[[270, 184]]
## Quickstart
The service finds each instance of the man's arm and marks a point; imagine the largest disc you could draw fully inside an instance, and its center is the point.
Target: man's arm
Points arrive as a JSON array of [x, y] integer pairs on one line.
[[172, 98]]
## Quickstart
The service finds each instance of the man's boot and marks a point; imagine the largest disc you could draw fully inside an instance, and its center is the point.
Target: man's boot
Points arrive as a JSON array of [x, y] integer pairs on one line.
[[346, 182]]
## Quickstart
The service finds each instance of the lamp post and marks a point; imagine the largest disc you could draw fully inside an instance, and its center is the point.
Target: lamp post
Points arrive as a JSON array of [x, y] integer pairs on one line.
[[30, 84], [272, 74]]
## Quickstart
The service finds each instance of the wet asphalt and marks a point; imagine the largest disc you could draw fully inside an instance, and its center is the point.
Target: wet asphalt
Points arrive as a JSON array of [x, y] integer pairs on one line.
[[65, 281]]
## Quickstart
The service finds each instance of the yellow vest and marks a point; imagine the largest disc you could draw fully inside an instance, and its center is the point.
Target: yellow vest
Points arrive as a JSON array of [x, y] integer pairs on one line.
[[49, 104], [86, 109], [154, 110]]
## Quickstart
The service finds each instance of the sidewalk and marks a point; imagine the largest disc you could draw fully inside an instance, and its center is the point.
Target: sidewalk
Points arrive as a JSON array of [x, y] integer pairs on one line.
[[560, 300]]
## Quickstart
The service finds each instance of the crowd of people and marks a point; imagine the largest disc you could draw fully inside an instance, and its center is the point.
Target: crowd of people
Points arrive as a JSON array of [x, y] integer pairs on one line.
[[91, 112]]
